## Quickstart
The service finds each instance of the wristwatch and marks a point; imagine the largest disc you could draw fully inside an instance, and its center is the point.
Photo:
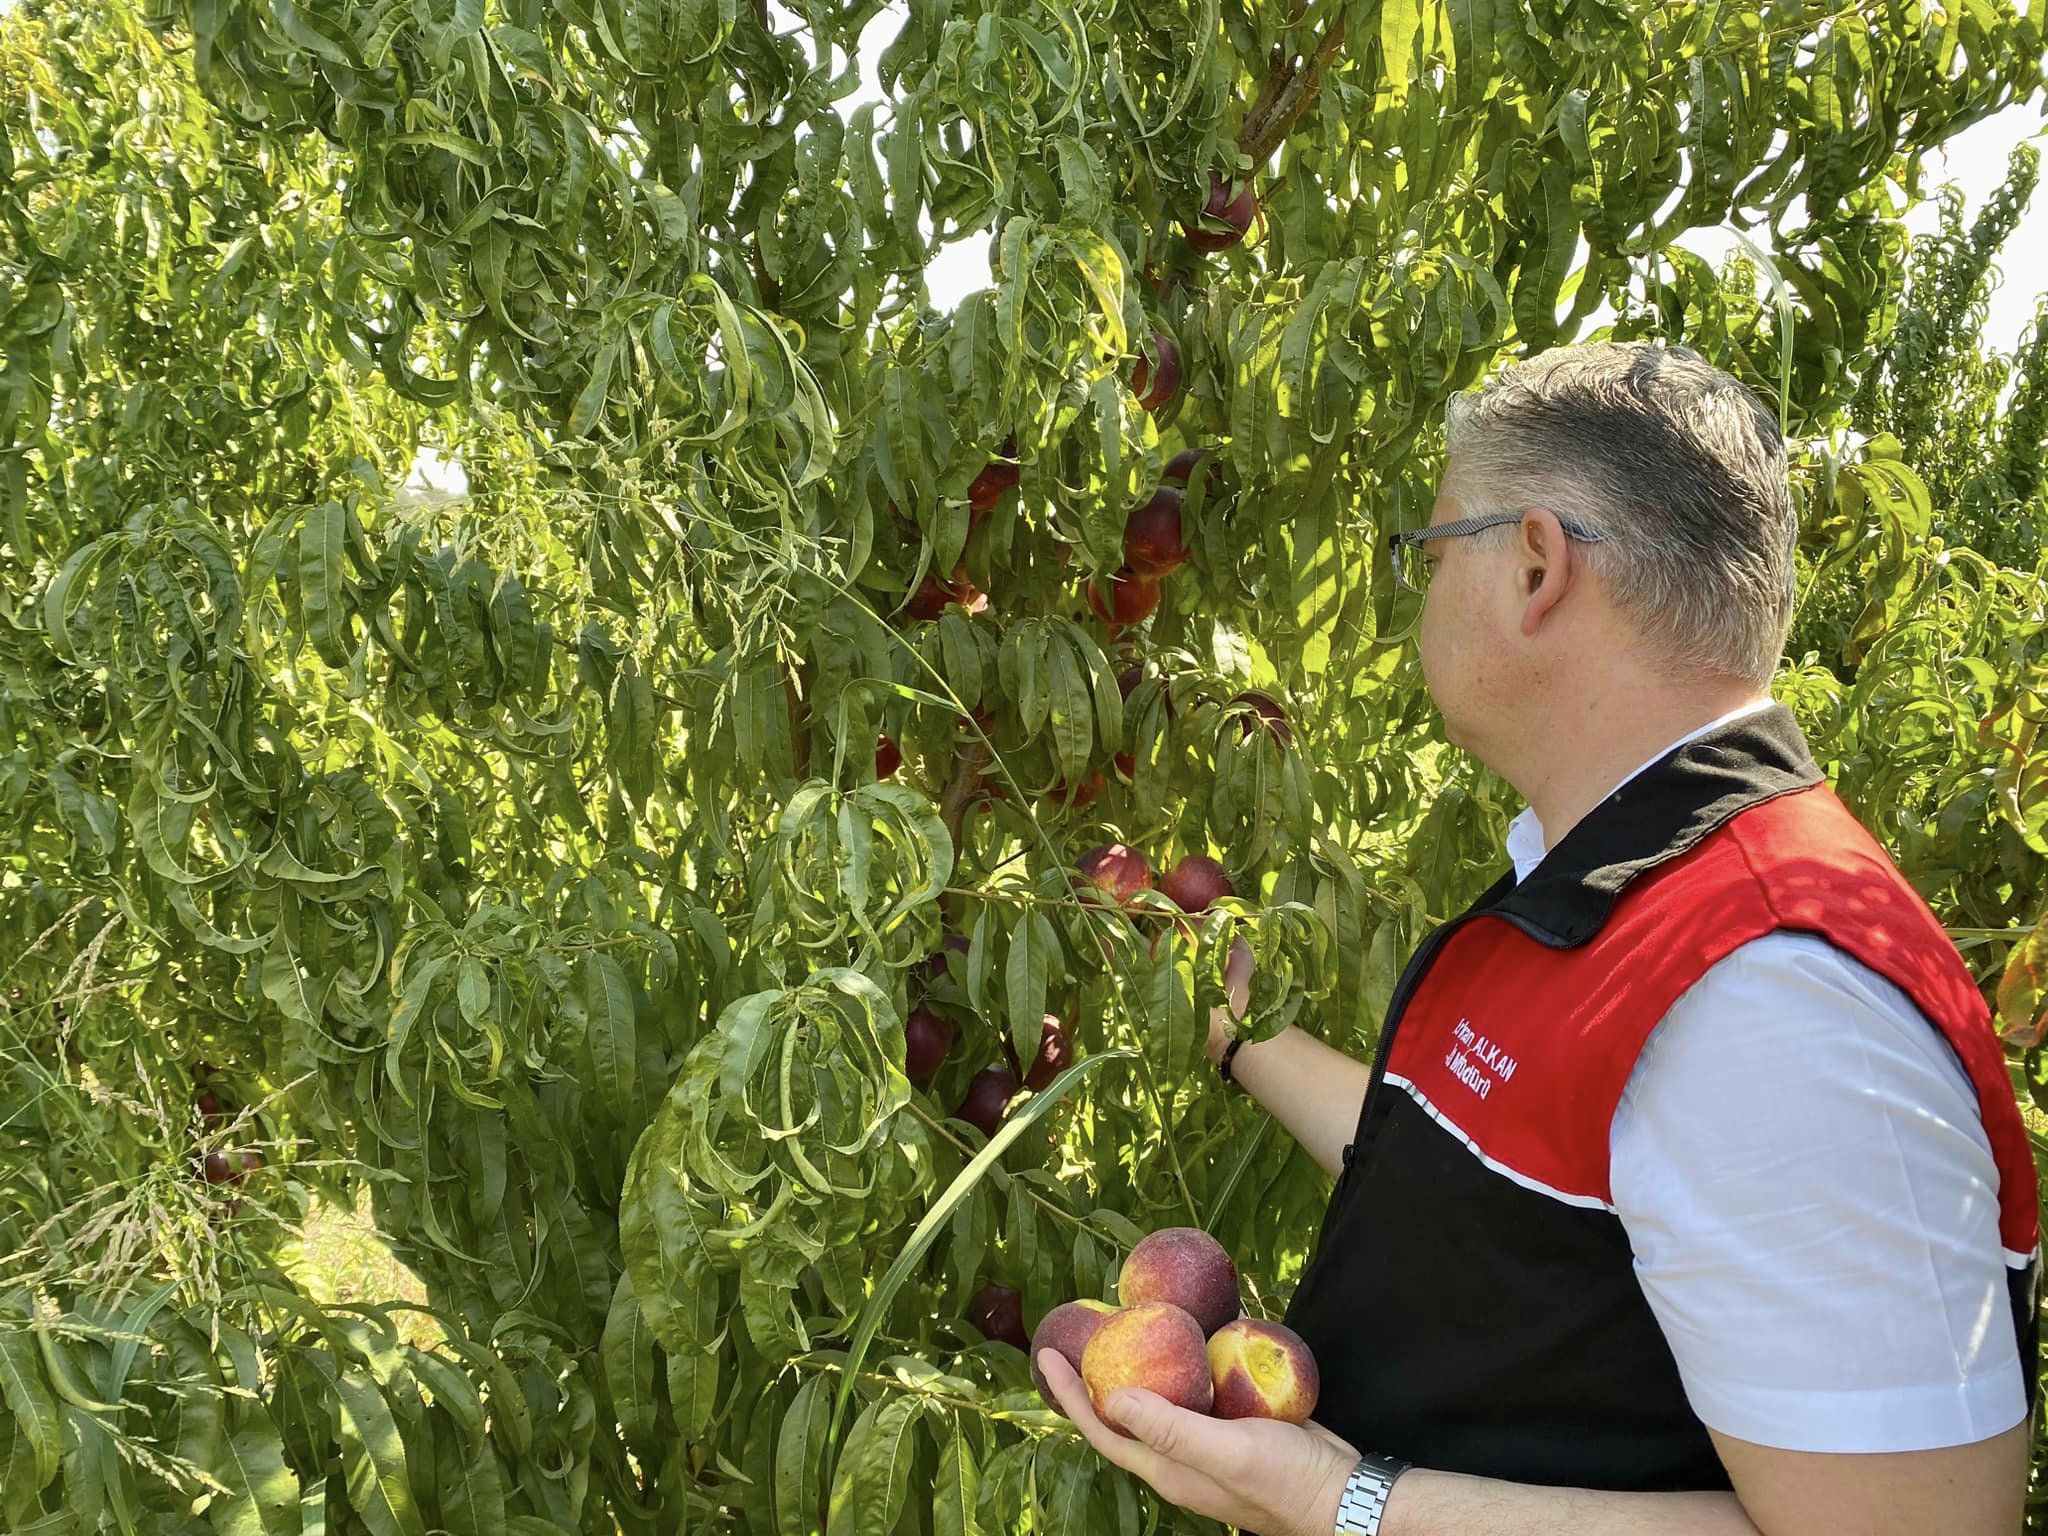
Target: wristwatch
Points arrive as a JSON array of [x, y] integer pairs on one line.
[[1365, 1495], [1223, 1063]]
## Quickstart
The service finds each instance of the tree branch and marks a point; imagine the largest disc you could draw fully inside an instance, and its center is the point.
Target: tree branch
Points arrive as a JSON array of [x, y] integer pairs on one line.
[[1284, 97], [971, 757]]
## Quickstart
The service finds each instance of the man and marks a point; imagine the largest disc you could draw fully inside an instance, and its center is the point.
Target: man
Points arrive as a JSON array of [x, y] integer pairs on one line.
[[1687, 1193]]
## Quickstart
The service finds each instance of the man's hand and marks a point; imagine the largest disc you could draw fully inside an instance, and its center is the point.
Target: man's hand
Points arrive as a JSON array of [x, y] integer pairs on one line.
[[1237, 990], [1258, 1474]]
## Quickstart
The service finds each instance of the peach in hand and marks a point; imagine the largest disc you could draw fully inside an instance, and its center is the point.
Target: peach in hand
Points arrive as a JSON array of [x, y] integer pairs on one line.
[[1186, 1267], [1155, 1346], [1262, 1370], [1067, 1328]]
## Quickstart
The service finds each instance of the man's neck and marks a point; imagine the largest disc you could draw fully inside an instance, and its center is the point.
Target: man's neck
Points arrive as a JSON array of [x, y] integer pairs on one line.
[[1586, 751]]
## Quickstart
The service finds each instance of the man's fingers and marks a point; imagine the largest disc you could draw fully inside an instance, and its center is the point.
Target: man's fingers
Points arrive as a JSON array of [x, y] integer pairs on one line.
[[1068, 1388], [1237, 975], [1178, 1434]]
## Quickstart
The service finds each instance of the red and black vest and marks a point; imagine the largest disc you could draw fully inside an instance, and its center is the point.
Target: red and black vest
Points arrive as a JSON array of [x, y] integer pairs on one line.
[[1472, 1301]]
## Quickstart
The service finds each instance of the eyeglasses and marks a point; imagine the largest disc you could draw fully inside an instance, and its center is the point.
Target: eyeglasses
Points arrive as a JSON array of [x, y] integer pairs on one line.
[[1412, 566]]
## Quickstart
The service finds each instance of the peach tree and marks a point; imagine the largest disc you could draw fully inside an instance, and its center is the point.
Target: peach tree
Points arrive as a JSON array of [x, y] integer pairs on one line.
[[741, 885]]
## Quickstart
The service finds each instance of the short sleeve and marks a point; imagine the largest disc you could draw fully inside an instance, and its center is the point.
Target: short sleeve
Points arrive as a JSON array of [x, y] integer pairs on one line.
[[1803, 1173]]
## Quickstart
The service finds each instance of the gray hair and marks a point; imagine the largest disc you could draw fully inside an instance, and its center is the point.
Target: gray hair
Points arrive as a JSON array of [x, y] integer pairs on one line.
[[1677, 462]]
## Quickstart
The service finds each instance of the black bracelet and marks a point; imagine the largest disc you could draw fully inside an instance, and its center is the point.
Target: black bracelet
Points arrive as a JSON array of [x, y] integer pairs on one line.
[[1230, 1050]]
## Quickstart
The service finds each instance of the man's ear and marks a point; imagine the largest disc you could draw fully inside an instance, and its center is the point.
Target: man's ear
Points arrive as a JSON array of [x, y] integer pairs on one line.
[[1545, 566]]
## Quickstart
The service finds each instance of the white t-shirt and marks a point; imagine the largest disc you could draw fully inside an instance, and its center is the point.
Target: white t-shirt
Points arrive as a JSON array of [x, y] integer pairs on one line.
[[1803, 1174]]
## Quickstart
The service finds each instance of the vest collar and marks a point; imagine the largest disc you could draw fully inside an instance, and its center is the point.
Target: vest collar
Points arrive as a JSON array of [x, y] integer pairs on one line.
[[1664, 811]]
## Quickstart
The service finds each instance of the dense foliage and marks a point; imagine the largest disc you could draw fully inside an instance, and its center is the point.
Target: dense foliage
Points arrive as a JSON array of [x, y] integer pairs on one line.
[[527, 857]]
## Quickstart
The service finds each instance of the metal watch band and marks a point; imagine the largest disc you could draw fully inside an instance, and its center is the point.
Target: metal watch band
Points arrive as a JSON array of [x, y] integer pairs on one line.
[[1365, 1495]]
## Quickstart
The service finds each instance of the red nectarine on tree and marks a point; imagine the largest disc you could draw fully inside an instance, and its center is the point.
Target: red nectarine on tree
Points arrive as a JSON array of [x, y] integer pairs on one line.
[[998, 1312], [1265, 711], [929, 600], [1119, 872], [1226, 216], [1131, 598], [1055, 1054], [989, 1092], [935, 962], [1196, 882], [927, 1038], [1153, 545], [888, 758], [1154, 386], [988, 487], [1073, 796]]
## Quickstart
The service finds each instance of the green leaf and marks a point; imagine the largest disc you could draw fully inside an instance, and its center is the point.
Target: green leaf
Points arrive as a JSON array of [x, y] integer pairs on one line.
[[958, 1487], [627, 1349], [1027, 976], [874, 1475], [323, 592], [263, 1493], [26, 1396], [799, 1459], [373, 1457], [614, 1043]]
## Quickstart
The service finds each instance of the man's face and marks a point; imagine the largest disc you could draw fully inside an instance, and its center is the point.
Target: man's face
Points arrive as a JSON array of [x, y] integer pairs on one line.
[[1468, 637]]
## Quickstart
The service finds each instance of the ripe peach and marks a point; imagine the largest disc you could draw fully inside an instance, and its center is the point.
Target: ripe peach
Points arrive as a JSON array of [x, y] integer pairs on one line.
[[1117, 871], [935, 962], [991, 483], [929, 600], [989, 1092], [1262, 1370], [1181, 466], [1130, 598], [1155, 388], [998, 1311], [1067, 1328], [1196, 882], [1153, 545], [932, 596], [1186, 1267], [1266, 712], [888, 758], [1055, 1054], [1073, 796], [1153, 1345], [926, 1040], [1233, 210]]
